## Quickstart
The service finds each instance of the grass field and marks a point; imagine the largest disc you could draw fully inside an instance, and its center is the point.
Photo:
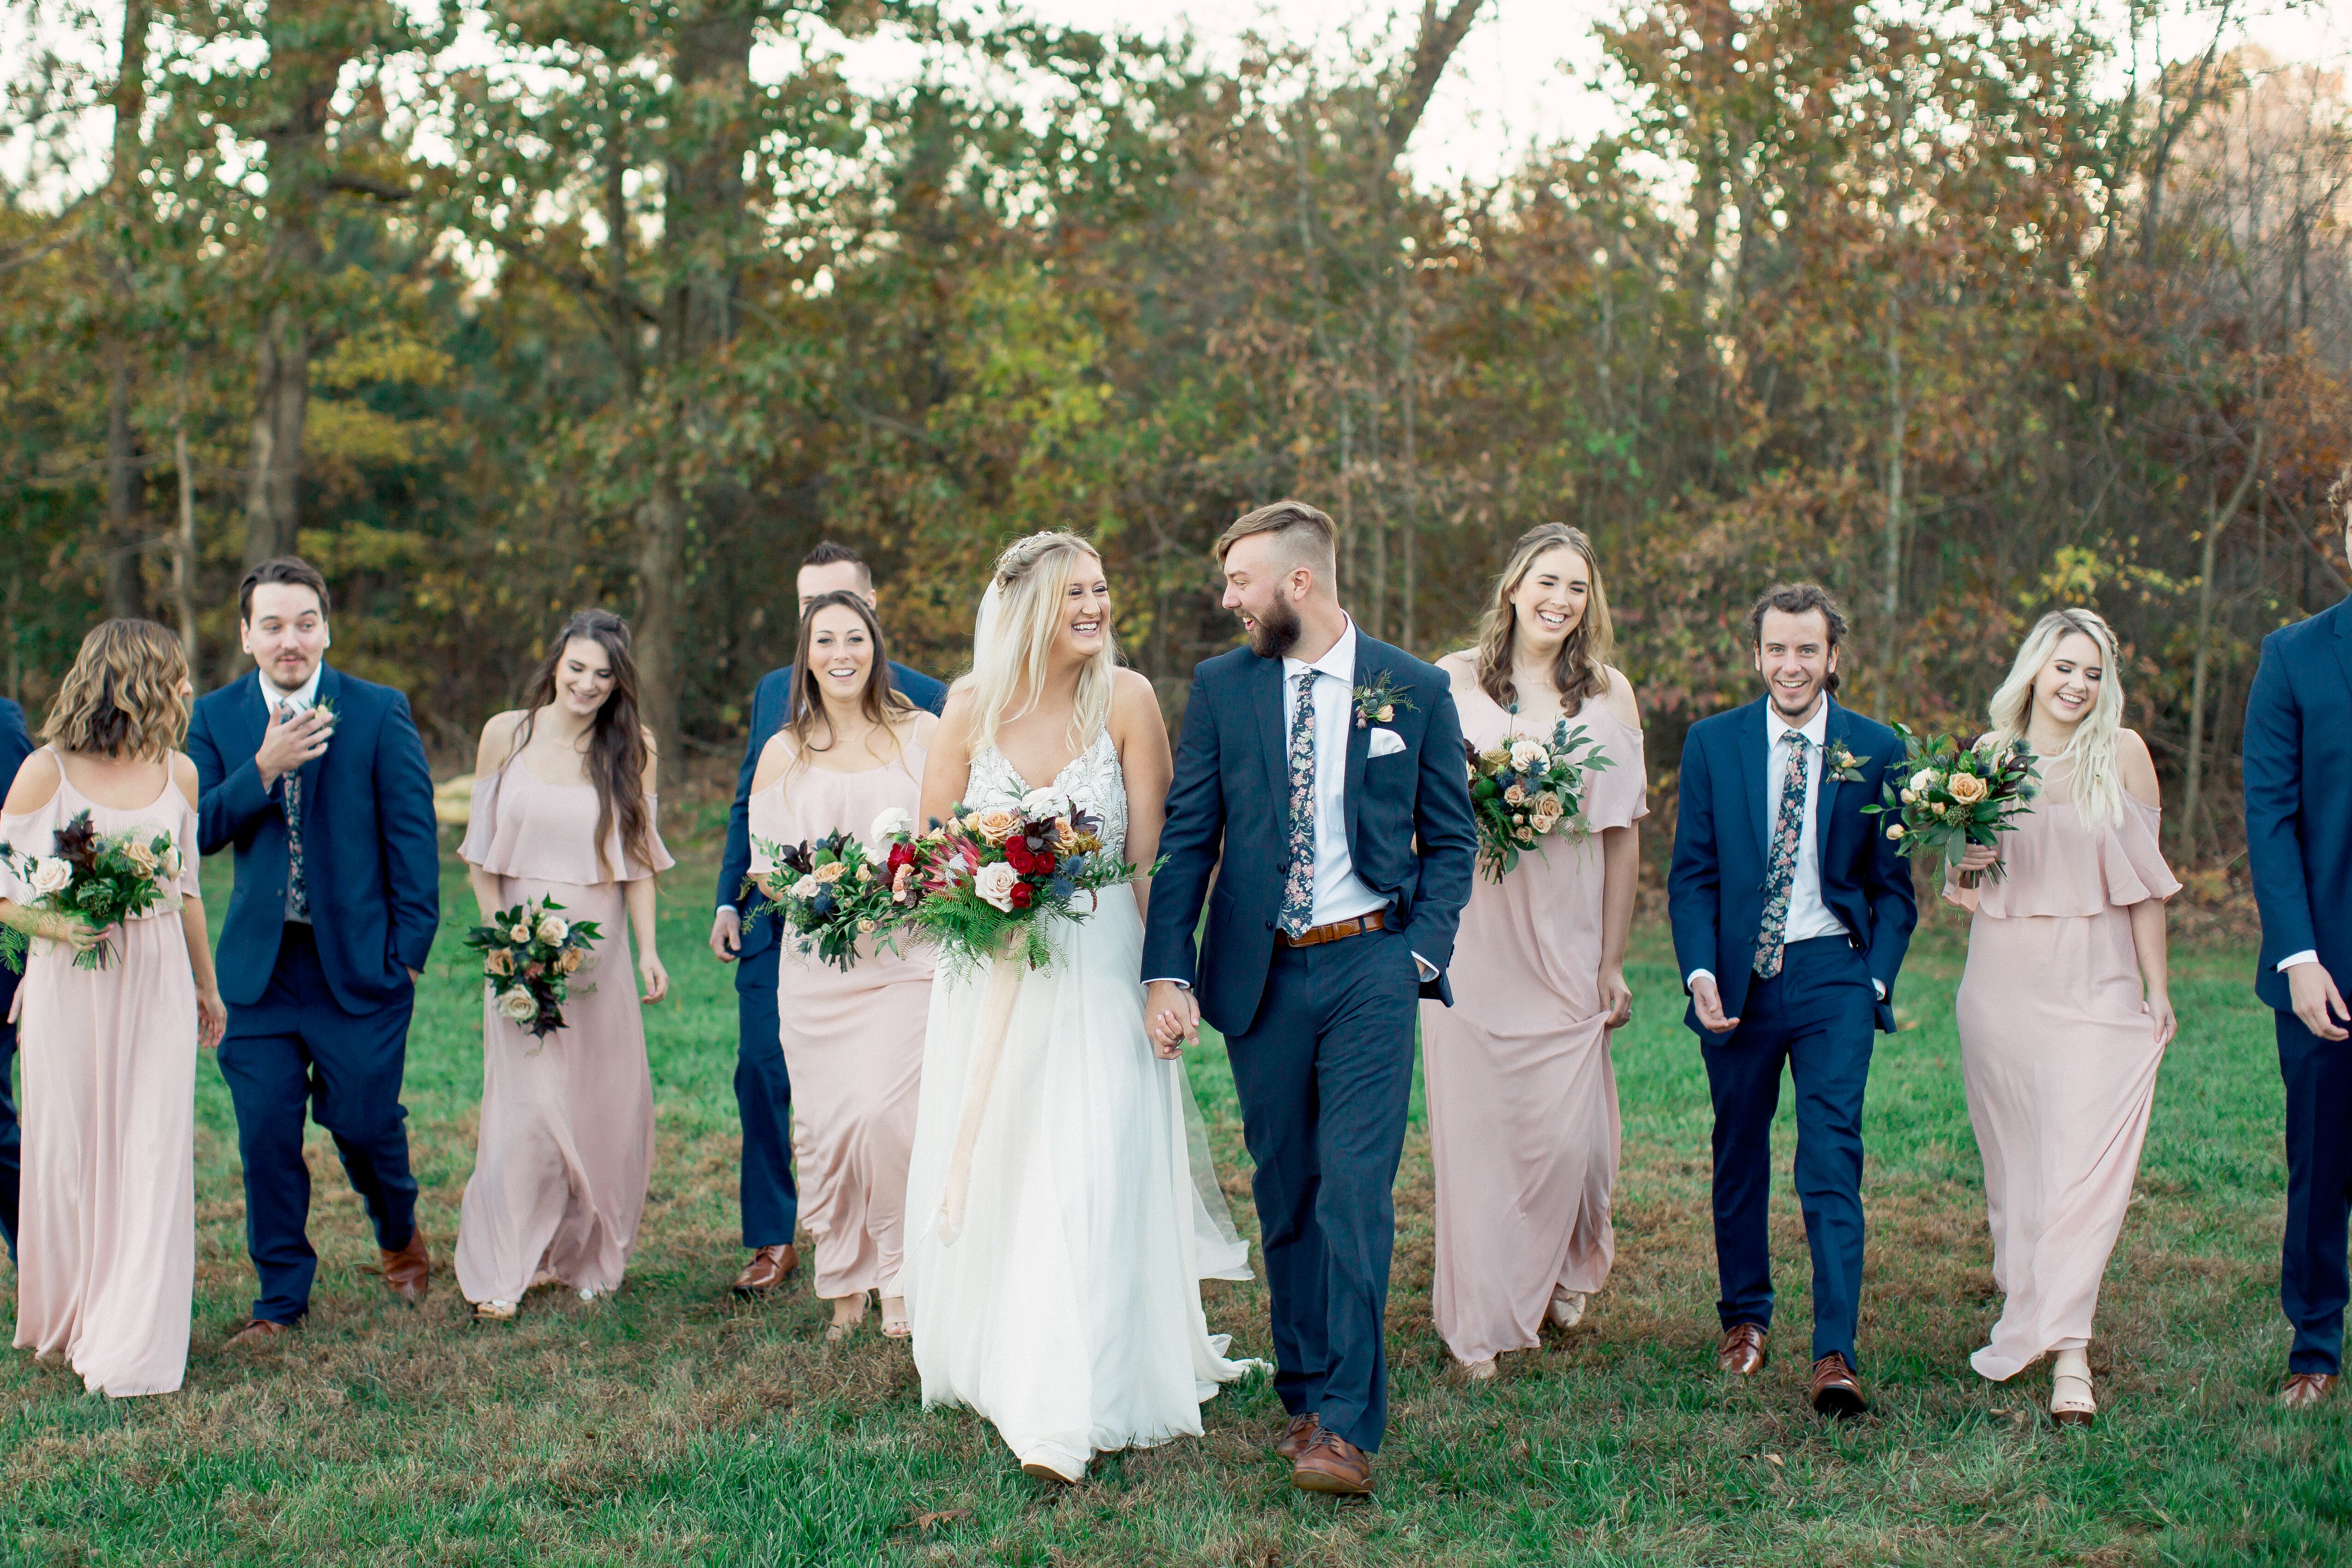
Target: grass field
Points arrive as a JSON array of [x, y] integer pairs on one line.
[[672, 1423]]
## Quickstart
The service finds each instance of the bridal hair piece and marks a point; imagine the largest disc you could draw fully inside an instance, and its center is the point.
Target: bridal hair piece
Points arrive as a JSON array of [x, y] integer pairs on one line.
[[1013, 636], [1580, 668], [2097, 784]]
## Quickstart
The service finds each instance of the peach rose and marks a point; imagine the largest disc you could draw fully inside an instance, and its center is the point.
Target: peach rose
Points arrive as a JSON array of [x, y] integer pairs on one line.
[[832, 871], [1967, 788], [995, 824], [500, 962]]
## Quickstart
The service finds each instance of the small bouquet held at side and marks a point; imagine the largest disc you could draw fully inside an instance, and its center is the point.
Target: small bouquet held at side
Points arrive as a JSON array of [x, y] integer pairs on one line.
[[1526, 789], [830, 891], [985, 882], [529, 954], [1945, 796], [97, 879]]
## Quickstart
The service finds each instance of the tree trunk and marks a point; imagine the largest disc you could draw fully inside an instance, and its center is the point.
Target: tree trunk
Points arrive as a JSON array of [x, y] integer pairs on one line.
[[124, 594], [1890, 602], [281, 400], [183, 543], [2217, 519]]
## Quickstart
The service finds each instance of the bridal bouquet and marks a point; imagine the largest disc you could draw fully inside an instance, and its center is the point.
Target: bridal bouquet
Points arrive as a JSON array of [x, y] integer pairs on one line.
[[1525, 789], [529, 954], [829, 892], [1947, 796], [100, 880], [984, 882]]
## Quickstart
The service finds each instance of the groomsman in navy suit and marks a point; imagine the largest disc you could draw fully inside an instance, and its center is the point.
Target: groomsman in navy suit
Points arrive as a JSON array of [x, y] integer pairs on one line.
[[1792, 913], [320, 782], [15, 745], [746, 938], [2298, 774]]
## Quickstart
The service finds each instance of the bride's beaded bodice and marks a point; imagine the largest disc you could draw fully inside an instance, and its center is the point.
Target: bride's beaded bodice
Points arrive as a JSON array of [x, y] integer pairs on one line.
[[1094, 781]]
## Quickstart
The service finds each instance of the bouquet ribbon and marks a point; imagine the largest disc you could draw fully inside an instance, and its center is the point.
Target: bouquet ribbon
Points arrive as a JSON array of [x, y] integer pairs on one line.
[[995, 1020]]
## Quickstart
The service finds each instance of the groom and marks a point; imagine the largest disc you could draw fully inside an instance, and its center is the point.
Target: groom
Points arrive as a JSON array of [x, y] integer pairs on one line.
[[1790, 912], [1326, 769]]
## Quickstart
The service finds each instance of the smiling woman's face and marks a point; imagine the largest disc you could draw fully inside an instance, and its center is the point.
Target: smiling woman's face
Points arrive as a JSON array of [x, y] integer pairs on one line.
[[1550, 599], [2068, 687], [583, 676], [1085, 611], [840, 653]]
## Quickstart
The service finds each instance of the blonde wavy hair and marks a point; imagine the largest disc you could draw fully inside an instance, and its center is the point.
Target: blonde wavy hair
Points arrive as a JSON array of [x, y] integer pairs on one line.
[[2098, 785], [123, 697], [1008, 673], [1581, 669]]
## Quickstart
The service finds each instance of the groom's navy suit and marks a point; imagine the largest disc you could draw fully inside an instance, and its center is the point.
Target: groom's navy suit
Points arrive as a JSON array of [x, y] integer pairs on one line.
[[15, 745], [318, 1012], [1817, 1014], [2298, 773], [1321, 1037]]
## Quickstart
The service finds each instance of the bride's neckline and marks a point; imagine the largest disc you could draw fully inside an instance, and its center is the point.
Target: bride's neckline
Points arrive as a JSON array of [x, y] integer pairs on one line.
[[1021, 779]]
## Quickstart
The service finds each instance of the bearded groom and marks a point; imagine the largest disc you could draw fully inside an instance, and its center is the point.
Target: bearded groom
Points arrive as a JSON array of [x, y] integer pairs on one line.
[[1327, 770], [1792, 913]]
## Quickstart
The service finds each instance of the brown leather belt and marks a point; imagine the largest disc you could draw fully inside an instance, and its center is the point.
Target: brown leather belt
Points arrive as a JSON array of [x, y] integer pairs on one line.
[[1338, 930]]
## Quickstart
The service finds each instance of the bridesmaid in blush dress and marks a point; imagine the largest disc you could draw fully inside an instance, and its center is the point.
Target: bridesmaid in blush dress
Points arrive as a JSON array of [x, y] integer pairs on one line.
[[106, 1245], [2063, 1009], [564, 808], [1523, 1127], [851, 748]]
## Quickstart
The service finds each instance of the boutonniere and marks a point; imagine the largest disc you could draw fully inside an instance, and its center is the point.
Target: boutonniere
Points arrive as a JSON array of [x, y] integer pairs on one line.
[[1845, 766], [1377, 702]]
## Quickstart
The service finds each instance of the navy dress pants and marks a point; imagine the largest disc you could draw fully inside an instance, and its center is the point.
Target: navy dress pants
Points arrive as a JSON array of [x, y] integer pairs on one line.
[[2312, 1286], [763, 1098], [294, 1050], [1325, 1075], [1816, 1016]]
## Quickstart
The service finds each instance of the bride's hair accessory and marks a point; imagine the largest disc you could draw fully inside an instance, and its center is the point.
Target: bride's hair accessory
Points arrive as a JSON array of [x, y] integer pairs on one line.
[[1019, 620]]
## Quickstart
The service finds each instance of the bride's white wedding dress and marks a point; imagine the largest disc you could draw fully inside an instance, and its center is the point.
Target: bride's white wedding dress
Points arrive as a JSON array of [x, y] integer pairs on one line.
[[1067, 1309]]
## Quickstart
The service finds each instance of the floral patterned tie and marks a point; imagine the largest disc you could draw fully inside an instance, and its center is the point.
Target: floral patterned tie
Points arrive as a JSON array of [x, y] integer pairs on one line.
[[298, 892], [1298, 879], [1780, 870]]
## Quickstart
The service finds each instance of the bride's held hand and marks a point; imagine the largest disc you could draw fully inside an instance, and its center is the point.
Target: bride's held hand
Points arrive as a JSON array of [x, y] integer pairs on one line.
[[1172, 1018]]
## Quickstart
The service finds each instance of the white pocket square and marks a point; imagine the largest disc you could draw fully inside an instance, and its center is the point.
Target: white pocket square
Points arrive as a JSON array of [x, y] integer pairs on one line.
[[1386, 743]]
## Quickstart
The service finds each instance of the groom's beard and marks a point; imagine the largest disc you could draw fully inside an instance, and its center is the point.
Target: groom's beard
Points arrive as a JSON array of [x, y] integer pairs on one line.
[[1277, 632]]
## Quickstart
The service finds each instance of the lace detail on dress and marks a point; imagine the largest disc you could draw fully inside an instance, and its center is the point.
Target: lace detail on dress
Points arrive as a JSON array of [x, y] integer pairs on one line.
[[1093, 779]]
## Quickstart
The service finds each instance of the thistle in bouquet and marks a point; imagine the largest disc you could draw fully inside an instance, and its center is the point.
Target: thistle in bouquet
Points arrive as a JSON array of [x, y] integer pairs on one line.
[[1945, 796], [985, 881], [831, 892], [530, 955], [1525, 789], [96, 879]]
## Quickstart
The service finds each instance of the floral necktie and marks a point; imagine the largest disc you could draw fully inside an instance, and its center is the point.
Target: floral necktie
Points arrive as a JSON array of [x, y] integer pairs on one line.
[[1298, 879], [1780, 870], [297, 894]]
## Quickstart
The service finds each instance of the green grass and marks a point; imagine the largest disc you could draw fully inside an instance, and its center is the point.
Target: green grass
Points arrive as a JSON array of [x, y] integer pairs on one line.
[[674, 1425]]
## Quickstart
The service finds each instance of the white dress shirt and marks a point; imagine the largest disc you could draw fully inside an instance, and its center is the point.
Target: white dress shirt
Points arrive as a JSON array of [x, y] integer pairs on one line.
[[303, 697], [1808, 916]]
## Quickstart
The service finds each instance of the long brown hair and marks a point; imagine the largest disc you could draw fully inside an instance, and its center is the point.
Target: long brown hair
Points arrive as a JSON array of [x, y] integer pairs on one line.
[[615, 762], [878, 700], [122, 698], [1581, 669]]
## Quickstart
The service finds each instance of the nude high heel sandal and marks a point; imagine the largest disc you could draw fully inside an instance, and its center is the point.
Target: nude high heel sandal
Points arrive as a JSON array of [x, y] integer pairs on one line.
[[1567, 1309], [2071, 1404]]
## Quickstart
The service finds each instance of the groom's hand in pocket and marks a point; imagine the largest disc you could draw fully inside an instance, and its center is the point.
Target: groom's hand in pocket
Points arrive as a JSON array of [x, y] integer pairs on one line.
[[1172, 1017]]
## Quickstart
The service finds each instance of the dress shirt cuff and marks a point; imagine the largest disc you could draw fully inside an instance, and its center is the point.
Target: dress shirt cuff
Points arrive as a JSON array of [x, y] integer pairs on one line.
[[1169, 979], [1696, 975], [1879, 987], [1428, 969], [2308, 956], [727, 909]]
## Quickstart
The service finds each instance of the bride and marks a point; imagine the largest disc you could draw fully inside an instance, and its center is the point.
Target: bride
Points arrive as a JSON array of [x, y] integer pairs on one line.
[[1063, 1304]]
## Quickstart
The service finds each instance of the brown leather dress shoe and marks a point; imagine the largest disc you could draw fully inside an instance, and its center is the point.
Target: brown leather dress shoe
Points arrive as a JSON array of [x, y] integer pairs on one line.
[[1742, 1350], [1330, 1463], [1836, 1391], [768, 1268], [2303, 1390], [257, 1334], [408, 1274], [1294, 1435]]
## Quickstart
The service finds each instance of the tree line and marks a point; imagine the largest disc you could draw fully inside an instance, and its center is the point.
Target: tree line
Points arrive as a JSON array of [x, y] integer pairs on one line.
[[1968, 308]]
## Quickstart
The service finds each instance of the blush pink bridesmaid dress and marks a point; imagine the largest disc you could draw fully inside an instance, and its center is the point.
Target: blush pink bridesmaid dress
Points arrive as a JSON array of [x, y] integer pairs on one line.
[[567, 1125], [1523, 1128], [853, 1043], [2060, 1061], [106, 1270]]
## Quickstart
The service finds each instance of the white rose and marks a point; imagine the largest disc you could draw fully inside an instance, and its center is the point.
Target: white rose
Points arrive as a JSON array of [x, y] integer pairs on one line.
[[1922, 779], [518, 1004], [806, 887], [893, 821], [171, 859], [1045, 805], [995, 882], [1528, 756], [521, 935], [553, 929], [50, 875]]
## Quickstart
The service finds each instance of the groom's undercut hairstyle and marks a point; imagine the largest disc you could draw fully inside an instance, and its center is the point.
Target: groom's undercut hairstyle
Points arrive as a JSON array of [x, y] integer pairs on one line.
[[286, 569], [1304, 535], [1799, 599], [829, 553]]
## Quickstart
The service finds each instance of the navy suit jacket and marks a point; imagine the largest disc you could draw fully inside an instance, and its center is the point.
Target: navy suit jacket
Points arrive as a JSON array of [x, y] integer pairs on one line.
[[15, 745], [371, 850], [767, 703], [2298, 771], [1715, 891], [1231, 795]]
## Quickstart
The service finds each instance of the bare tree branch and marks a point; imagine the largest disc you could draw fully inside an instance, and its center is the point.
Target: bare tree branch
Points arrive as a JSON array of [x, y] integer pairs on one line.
[[1440, 35]]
